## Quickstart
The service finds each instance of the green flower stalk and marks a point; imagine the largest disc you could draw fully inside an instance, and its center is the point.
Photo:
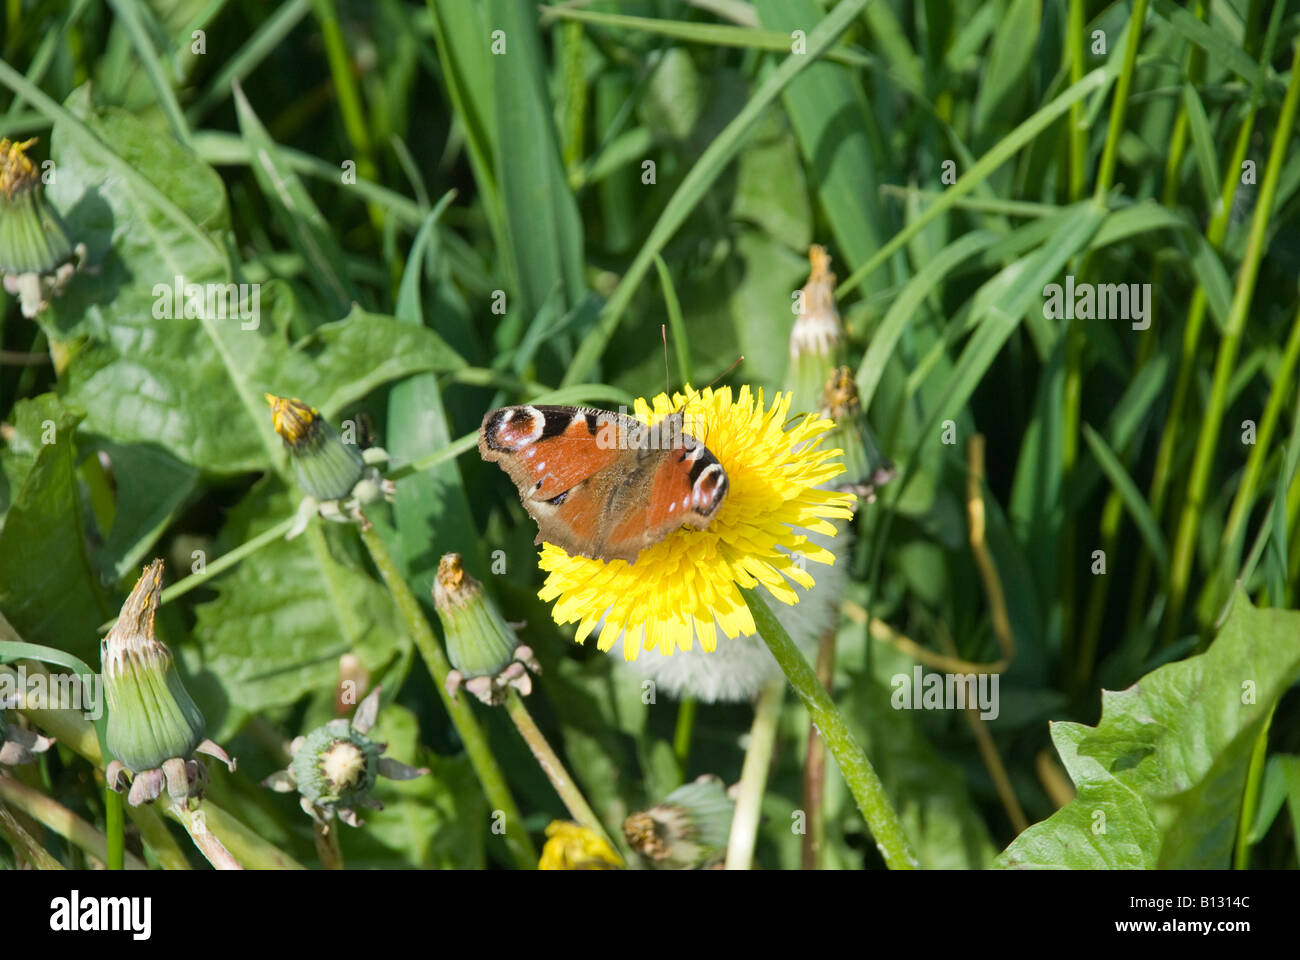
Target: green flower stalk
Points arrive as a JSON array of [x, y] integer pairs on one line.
[[154, 728], [487, 656], [688, 829], [18, 745], [36, 257], [335, 767], [338, 478]]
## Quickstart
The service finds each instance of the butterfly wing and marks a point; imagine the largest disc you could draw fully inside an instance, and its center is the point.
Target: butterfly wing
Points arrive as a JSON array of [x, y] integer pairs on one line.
[[596, 482], [547, 450], [683, 487]]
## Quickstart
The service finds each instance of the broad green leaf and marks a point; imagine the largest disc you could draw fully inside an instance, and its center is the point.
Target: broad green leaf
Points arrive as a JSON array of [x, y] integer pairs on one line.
[[1160, 777], [48, 591], [277, 627], [151, 487], [192, 385]]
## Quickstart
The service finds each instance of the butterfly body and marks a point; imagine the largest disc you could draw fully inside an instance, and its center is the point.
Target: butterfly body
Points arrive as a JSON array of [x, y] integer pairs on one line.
[[602, 484]]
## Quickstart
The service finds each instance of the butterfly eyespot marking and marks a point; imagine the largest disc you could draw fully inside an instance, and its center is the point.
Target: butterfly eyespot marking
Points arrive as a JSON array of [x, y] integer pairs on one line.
[[709, 488], [556, 501], [514, 428]]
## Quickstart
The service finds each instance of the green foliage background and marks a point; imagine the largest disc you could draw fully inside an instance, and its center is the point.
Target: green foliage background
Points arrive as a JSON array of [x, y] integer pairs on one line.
[[313, 147]]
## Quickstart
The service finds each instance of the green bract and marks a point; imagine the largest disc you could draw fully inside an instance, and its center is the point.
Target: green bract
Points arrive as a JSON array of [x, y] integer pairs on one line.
[[154, 727], [482, 647], [479, 641], [151, 716]]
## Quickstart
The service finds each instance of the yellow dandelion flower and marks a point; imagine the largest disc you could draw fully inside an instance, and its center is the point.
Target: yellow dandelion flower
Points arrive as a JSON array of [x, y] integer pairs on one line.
[[571, 847], [680, 588]]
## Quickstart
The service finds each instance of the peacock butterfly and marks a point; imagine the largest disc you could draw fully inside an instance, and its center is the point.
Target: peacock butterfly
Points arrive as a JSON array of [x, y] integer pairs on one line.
[[601, 484]]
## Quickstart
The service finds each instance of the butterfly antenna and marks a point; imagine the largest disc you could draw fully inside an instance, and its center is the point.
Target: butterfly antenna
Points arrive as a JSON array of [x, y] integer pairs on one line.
[[668, 380], [737, 362]]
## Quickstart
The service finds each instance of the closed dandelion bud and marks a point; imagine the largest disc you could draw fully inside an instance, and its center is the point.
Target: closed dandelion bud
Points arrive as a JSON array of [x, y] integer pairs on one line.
[[154, 727], [482, 647], [35, 253], [326, 467], [817, 335], [571, 847], [335, 767], [690, 828], [866, 469]]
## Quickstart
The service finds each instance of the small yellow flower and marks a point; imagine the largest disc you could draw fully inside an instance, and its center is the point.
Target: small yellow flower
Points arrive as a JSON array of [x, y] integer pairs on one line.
[[571, 847], [680, 588]]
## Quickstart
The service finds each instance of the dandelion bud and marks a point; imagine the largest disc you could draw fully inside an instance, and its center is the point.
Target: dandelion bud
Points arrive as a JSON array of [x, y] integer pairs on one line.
[[817, 335], [480, 644], [326, 467], [35, 254], [154, 728], [866, 469], [690, 828]]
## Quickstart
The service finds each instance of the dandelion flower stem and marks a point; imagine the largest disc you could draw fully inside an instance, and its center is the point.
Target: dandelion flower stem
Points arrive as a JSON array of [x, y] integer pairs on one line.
[[208, 843], [863, 783], [476, 744], [814, 774], [113, 828], [327, 845], [753, 777], [553, 767], [683, 732]]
